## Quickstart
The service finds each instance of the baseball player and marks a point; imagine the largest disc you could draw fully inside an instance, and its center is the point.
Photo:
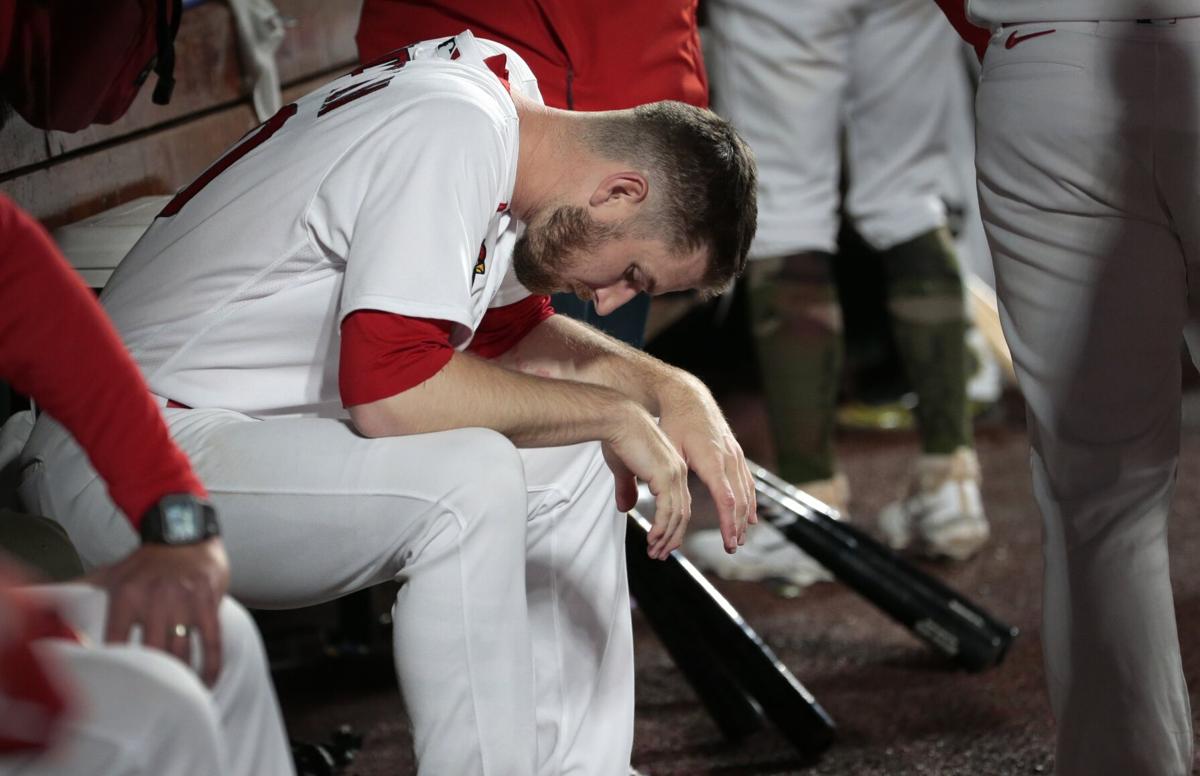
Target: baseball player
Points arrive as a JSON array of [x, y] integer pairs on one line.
[[74, 697], [586, 55], [793, 77], [337, 317], [1087, 169]]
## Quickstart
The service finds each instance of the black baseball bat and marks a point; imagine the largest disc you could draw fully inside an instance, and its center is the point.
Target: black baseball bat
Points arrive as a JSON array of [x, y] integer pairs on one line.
[[946, 620], [734, 712], [784, 701]]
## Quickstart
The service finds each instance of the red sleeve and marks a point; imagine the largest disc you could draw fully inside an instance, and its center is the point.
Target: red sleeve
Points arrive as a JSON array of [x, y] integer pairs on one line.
[[383, 354], [956, 12], [503, 327], [57, 346]]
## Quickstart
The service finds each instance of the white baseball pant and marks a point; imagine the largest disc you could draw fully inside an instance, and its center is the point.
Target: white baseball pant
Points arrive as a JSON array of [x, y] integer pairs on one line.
[[513, 643], [141, 711], [791, 75], [1089, 179]]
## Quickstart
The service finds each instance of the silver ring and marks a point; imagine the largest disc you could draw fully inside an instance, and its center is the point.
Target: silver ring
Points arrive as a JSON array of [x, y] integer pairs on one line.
[[181, 630]]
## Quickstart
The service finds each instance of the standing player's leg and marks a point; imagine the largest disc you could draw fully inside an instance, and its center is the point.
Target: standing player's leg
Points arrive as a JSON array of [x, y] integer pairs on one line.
[[779, 72], [896, 147], [1073, 171]]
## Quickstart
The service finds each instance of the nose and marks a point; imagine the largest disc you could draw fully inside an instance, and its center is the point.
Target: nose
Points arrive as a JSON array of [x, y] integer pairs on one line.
[[610, 298]]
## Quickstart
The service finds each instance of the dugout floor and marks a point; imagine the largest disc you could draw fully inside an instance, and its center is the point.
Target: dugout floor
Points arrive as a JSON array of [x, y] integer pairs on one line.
[[899, 708]]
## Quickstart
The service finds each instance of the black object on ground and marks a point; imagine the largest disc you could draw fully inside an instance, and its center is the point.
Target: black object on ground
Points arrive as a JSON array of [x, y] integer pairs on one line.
[[735, 674], [943, 618], [327, 759]]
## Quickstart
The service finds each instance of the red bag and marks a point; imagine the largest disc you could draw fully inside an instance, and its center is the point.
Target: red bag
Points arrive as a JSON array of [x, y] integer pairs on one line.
[[71, 63]]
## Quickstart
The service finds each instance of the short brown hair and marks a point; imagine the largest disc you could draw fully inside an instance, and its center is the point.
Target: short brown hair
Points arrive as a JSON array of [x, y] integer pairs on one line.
[[705, 170]]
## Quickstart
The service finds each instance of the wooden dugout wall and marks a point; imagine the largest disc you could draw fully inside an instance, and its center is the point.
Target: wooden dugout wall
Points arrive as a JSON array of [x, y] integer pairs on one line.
[[154, 149]]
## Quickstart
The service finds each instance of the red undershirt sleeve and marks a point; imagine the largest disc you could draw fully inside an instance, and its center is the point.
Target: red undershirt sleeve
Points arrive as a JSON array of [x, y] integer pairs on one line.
[[503, 327], [58, 346], [383, 354]]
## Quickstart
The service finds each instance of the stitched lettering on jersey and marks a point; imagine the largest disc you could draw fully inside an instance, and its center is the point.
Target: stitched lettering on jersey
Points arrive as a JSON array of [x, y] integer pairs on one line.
[[249, 142], [339, 97], [393, 60]]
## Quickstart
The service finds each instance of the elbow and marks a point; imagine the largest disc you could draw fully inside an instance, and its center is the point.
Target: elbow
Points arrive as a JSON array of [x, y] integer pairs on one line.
[[375, 419]]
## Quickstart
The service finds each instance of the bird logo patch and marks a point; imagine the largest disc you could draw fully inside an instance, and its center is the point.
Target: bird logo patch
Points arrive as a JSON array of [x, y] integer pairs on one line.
[[481, 263]]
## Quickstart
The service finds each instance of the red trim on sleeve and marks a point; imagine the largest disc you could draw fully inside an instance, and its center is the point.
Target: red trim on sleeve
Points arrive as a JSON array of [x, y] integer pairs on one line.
[[58, 346], [498, 64], [956, 12], [383, 354], [503, 327]]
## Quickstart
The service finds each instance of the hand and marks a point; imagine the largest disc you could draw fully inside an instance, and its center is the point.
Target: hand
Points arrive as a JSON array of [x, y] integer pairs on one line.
[[693, 422], [638, 450], [161, 587]]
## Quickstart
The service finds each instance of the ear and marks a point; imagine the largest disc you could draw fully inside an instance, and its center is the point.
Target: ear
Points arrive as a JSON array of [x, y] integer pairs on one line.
[[629, 186]]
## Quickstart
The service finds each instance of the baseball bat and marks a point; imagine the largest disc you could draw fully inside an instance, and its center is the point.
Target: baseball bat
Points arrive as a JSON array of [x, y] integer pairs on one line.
[[985, 314], [735, 714], [946, 620], [784, 701]]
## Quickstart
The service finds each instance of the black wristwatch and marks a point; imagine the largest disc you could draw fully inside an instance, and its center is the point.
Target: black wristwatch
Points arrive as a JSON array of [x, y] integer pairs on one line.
[[178, 519]]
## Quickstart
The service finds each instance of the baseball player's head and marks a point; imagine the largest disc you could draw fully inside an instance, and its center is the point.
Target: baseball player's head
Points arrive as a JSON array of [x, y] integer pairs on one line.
[[666, 202]]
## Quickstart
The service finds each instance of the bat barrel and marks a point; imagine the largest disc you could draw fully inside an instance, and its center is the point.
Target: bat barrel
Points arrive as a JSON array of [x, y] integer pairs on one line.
[[731, 709], [751, 664], [943, 618]]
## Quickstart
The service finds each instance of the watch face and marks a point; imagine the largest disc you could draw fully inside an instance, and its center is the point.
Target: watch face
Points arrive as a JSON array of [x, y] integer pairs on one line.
[[181, 523]]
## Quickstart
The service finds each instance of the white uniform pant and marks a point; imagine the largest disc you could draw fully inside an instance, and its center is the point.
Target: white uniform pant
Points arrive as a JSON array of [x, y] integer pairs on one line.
[[141, 711], [792, 74], [513, 643], [1089, 179]]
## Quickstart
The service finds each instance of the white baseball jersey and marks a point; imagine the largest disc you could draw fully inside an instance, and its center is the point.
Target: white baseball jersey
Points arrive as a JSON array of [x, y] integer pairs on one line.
[[997, 12], [385, 189]]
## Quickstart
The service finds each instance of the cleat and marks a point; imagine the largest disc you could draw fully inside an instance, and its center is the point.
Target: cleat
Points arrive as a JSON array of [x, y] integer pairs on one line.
[[941, 515]]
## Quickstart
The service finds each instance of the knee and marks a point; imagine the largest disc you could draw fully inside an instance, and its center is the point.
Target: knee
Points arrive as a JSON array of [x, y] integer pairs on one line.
[[173, 721], [924, 281], [243, 662], [794, 295], [492, 475]]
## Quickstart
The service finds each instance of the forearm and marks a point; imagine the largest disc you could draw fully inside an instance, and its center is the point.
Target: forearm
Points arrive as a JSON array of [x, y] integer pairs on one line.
[[566, 349], [531, 410]]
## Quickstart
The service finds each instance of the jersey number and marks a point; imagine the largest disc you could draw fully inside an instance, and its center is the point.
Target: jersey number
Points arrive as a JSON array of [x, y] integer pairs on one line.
[[252, 140], [391, 62]]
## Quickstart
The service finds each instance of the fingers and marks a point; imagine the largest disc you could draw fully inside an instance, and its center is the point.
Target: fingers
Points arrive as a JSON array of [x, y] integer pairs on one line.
[[624, 480], [728, 497], [158, 619], [173, 594], [123, 611], [208, 628], [672, 510], [740, 473]]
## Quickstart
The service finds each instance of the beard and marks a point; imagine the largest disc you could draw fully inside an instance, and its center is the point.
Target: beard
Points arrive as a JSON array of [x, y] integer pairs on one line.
[[545, 253]]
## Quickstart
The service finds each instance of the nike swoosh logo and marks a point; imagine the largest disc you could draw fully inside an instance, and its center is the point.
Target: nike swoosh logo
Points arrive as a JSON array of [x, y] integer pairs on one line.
[[1014, 39]]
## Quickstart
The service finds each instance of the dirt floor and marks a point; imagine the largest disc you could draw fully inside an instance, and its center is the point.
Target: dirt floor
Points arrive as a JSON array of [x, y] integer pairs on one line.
[[899, 708]]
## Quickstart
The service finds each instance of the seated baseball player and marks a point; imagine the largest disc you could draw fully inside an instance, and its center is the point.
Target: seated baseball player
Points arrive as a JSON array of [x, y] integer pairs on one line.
[[345, 321]]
